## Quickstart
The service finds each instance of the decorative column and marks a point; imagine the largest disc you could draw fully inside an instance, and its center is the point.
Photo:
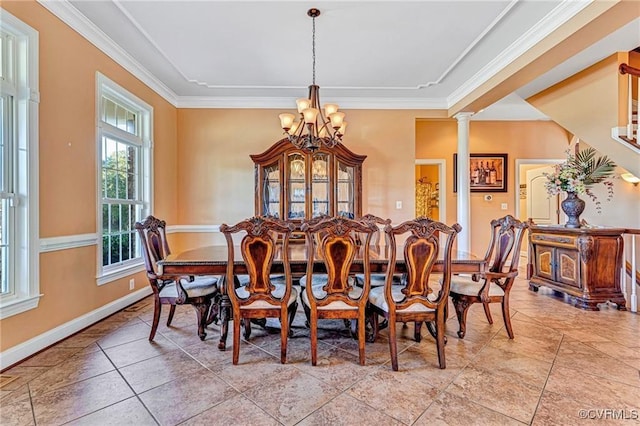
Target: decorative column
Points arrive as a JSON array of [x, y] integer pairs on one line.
[[464, 176]]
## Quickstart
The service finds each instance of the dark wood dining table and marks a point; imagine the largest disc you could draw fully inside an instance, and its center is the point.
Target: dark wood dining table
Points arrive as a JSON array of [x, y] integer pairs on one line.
[[212, 260]]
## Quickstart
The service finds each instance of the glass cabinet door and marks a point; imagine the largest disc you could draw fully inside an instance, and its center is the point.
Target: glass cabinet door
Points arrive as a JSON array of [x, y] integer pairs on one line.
[[271, 191], [296, 186], [320, 184], [345, 191]]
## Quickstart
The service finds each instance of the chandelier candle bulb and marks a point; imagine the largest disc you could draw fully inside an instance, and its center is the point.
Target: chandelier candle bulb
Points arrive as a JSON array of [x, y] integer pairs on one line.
[[286, 120], [330, 109], [336, 119], [303, 104], [310, 115]]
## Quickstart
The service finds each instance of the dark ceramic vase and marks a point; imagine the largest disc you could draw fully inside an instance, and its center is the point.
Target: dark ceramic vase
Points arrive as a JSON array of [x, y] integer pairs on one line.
[[573, 207]]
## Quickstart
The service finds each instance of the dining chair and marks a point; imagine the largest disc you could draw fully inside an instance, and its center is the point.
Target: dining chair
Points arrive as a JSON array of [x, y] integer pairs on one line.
[[199, 291], [416, 299], [337, 298], [498, 272], [260, 298]]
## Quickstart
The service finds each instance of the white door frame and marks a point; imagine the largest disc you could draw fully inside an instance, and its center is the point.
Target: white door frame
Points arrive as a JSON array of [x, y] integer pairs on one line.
[[520, 162], [442, 178]]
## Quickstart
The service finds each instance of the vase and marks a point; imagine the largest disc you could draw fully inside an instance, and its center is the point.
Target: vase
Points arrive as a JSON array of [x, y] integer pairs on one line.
[[573, 207]]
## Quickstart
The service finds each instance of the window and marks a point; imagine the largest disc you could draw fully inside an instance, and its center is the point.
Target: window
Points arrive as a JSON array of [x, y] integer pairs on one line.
[[124, 176], [19, 256]]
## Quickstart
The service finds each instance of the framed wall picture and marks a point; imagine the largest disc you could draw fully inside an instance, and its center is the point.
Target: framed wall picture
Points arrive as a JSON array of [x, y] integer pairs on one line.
[[487, 172]]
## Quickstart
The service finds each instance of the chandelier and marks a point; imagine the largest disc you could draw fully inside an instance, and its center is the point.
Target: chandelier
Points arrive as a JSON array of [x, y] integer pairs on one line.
[[314, 128]]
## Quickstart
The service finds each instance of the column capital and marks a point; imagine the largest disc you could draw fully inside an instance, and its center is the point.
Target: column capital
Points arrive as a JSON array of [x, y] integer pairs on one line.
[[463, 116]]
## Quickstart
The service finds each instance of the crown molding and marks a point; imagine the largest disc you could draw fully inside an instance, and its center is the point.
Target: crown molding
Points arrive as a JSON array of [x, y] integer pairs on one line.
[[289, 103], [68, 14], [557, 17]]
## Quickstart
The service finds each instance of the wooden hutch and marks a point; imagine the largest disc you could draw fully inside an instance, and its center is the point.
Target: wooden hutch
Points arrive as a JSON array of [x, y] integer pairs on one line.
[[294, 184], [583, 262]]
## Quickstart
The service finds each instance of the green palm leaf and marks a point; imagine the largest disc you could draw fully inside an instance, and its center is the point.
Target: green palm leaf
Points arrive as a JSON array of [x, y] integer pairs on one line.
[[594, 169]]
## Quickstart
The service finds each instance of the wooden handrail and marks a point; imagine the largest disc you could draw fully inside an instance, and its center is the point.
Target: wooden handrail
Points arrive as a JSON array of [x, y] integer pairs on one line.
[[628, 69]]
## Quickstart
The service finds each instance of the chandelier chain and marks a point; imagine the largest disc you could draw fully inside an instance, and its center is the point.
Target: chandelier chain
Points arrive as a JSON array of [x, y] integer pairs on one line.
[[313, 48]]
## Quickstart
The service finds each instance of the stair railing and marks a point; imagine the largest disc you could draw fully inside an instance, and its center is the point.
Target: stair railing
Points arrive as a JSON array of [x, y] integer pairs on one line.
[[629, 271], [632, 123]]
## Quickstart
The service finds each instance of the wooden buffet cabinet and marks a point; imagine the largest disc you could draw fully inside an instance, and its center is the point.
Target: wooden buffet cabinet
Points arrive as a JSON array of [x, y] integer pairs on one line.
[[294, 184], [584, 263]]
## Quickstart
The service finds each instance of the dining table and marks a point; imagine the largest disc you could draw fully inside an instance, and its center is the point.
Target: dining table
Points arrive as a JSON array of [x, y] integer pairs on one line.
[[213, 260]]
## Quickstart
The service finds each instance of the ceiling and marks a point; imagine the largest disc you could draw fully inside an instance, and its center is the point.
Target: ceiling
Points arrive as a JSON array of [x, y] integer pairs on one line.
[[370, 54]]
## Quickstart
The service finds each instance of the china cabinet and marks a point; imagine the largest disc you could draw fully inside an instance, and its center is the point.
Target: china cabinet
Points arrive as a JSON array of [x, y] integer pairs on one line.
[[294, 184]]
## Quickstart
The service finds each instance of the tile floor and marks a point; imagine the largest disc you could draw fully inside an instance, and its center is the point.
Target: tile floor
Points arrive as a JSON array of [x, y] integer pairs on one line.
[[563, 360]]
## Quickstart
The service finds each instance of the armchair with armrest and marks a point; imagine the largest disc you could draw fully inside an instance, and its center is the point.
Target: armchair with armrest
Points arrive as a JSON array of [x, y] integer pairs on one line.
[[498, 273], [198, 291]]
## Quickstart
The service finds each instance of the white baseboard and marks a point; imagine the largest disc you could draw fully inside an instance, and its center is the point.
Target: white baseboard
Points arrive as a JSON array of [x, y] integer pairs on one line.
[[31, 346]]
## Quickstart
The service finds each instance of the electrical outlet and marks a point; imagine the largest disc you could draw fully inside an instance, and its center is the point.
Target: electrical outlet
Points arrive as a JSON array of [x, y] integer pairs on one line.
[[132, 284], [398, 205], [504, 206]]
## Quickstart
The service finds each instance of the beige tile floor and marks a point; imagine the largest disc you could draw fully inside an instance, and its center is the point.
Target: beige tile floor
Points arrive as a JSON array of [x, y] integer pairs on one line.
[[563, 360]]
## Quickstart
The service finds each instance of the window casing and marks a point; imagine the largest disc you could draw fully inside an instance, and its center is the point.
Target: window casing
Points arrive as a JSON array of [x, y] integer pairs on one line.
[[19, 97], [124, 177]]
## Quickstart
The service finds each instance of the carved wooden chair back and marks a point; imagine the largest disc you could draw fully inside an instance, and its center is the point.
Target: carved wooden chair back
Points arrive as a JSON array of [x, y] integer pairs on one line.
[[377, 222], [337, 297], [199, 291], [418, 299], [153, 241], [258, 297], [503, 253], [497, 275]]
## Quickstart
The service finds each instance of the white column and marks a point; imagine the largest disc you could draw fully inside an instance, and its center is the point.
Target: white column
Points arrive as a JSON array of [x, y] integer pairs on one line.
[[464, 175]]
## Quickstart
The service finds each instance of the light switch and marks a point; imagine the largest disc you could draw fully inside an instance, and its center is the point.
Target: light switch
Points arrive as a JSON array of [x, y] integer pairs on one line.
[[398, 205], [504, 206]]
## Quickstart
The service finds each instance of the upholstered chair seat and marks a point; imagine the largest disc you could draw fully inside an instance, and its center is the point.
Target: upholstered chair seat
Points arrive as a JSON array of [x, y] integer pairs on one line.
[[320, 293], [468, 287], [317, 279], [377, 298], [199, 286], [277, 293]]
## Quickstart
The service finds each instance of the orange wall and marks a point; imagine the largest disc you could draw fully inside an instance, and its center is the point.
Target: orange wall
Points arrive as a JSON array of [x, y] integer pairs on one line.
[[68, 65], [437, 139], [216, 175]]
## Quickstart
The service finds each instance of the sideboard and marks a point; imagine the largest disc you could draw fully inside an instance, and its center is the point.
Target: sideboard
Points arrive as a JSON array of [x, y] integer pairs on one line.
[[584, 263]]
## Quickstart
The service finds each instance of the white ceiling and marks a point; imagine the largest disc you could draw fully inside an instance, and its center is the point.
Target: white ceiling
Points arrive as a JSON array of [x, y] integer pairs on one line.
[[370, 54]]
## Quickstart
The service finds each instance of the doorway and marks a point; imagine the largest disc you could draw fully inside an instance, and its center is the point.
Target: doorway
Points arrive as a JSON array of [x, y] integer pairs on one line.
[[532, 200], [430, 189]]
